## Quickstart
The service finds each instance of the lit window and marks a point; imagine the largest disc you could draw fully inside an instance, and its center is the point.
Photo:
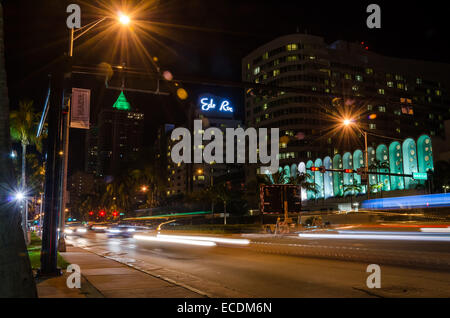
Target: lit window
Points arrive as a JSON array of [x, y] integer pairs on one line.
[[369, 71], [265, 56], [400, 85], [276, 72], [418, 81], [382, 109], [369, 107], [381, 91], [438, 93], [292, 58], [359, 78], [390, 84], [256, 70], [347, 76], [201, 178], [292, 47], [372, 126]]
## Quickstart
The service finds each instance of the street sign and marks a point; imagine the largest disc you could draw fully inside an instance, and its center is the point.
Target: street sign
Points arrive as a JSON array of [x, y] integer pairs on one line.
[[420, 176], [80, 110]]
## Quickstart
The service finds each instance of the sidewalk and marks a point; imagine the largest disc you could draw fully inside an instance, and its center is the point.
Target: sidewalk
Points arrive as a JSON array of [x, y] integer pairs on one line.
[[102, 277]]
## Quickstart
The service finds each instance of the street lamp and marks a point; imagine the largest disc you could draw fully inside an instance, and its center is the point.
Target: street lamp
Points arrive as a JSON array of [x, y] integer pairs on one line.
[[347, 122], [124, 20]]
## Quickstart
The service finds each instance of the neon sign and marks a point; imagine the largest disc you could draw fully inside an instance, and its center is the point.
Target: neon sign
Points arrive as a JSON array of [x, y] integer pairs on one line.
[[208, 103]]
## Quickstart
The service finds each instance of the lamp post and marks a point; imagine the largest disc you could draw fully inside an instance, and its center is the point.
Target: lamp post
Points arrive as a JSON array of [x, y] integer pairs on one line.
[[348, 122], [67, 97]]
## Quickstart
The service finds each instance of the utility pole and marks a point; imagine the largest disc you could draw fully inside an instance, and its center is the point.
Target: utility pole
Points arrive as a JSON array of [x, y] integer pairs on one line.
[[67, 97], [52, 175]]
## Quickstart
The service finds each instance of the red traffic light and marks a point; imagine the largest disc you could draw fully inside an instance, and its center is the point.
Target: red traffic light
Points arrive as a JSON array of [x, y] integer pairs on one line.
[[314, 168], [91, 212], [348, 170], [115, 213], [102, 213]]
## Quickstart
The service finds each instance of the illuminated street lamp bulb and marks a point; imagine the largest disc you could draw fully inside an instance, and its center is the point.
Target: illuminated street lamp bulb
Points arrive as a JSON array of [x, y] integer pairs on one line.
[[347, 122], [19, 196], [144, 188], [124, 19]]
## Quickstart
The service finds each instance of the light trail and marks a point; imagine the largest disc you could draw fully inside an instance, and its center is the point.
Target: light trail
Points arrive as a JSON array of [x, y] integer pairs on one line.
[[173, 240], [377, 237], [206, 238]]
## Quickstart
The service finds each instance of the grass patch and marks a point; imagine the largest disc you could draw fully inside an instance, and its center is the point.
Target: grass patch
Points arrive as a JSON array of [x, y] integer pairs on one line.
[[34, 252]]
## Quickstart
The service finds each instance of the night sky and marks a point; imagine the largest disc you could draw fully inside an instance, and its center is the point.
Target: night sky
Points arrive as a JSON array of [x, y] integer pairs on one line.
[[217, 34]]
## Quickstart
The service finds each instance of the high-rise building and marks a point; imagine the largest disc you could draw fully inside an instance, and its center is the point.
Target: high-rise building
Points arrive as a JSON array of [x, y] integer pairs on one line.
[[184, 178], [388, 96], [120, 136]]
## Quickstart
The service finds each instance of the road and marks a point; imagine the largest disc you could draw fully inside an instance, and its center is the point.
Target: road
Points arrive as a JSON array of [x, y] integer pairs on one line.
[[247, 271]]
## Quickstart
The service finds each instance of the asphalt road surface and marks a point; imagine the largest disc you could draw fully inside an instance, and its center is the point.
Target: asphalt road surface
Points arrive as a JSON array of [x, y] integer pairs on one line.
[[251, 271]]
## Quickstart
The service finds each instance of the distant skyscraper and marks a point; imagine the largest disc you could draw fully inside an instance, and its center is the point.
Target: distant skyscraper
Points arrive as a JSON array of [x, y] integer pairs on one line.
[[120, 136]]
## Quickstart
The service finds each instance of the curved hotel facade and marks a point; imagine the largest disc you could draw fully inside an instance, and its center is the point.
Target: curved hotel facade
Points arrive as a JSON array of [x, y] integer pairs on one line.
[[389, 97]]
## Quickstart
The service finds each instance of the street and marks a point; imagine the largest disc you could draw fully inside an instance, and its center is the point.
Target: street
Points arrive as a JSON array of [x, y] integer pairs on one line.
[[245, 271]]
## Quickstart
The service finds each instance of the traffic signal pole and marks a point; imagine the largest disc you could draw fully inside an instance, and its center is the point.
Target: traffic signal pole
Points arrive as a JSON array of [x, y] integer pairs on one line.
[[52, 176]]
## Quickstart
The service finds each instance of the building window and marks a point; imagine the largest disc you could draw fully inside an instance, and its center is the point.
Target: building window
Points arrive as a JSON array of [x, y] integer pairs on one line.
[[418, 81], [276, 72], [381, 91], [256, 70], [369, 71], [347, 76], [382, 109], [369, 107], [292, 58], [390, 84], [265, 56], [359, 78], [292, 47], [372, 126]]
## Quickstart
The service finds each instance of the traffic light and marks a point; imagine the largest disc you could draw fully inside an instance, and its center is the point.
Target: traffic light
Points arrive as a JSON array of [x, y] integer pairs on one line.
[[115, 213], [348, 171], [314, 168], [91, 213], [102, 213]]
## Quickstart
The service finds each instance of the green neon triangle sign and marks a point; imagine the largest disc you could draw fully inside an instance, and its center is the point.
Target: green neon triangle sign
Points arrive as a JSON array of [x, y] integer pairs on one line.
[[122, 103]]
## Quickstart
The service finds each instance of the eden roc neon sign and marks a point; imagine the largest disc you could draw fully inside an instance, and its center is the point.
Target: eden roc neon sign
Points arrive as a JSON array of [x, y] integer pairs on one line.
[[213, 103]]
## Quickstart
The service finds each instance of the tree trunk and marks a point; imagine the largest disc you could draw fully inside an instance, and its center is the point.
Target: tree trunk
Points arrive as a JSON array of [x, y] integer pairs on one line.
[[16, 277], [24, 191]]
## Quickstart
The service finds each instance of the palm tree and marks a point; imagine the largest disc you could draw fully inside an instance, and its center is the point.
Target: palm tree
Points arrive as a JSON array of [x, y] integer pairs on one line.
[[16, 276], [24, 122], [221, 193], [352, 188]]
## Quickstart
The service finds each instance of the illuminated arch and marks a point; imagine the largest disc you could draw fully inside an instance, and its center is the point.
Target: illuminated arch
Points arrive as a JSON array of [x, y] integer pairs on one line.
[[425, 154], [358, 162], [302, 169], [372, 157], [347, 161], [338, 180], [286, 174], [382, 155], [396, 165], [409, 162], [310, 194], [328, 178], [318, 177]]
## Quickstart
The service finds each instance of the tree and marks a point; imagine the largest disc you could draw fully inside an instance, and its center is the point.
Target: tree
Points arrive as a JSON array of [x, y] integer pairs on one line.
[[16, 277], [353, 189], [24, 122]]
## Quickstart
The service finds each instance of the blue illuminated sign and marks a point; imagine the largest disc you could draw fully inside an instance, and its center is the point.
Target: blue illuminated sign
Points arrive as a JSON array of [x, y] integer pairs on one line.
[[208, 103]]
